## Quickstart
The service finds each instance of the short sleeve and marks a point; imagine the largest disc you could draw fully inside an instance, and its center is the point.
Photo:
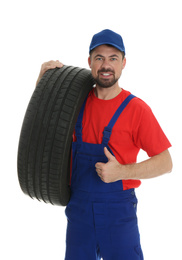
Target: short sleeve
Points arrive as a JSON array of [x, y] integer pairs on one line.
[[148, 134]]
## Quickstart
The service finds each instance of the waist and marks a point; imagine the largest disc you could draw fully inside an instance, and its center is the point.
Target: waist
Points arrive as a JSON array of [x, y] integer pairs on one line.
[[102, 196]]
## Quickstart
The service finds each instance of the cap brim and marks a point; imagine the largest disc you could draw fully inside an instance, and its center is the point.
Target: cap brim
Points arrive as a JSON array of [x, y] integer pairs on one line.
[[114, 45]]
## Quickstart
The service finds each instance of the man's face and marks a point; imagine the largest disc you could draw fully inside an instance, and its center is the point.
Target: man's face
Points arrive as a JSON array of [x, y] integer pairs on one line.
[[106, 63]]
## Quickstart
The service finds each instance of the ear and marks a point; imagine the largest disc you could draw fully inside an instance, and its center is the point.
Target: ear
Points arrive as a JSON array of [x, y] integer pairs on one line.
[[124, 62], [89, 61]]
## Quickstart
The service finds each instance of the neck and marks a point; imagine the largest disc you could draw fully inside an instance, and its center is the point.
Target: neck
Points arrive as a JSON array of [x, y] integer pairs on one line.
[[107, 93]]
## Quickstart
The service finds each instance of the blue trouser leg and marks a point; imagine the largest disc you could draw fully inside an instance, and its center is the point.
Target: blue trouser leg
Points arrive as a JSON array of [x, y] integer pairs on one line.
[[81, 244]]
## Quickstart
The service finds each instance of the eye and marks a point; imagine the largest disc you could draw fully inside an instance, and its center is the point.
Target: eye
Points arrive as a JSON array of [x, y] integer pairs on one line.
[[113, 59], [98, 58]]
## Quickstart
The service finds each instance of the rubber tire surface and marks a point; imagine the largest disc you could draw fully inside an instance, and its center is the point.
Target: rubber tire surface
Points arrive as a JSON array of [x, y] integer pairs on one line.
[[46, 135]]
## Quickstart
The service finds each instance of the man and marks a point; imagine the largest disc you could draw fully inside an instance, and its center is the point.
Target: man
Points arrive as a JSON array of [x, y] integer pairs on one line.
[[112, 127]]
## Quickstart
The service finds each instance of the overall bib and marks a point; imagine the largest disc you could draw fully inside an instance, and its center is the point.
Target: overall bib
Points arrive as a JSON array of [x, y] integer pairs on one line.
[[102, 222]]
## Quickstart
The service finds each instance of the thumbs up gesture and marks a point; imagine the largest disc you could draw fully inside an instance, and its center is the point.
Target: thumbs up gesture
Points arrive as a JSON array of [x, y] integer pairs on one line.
[[112, 170]]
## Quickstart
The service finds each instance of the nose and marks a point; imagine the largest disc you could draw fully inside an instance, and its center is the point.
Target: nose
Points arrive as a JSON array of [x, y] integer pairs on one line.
[[106, 64]]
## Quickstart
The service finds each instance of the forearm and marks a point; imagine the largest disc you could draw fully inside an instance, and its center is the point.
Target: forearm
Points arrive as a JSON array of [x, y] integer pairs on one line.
[[114, 171], [153, 167]]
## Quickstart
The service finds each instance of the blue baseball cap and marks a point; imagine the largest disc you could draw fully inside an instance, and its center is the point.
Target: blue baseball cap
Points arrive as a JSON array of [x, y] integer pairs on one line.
[[107, 37]]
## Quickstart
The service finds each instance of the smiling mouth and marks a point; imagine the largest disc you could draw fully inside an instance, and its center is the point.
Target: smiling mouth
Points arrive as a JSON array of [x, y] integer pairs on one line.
[[105, 75]]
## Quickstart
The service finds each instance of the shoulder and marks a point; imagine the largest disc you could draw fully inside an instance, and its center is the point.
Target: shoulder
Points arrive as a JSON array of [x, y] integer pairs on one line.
[[140, 104], [137, 103]]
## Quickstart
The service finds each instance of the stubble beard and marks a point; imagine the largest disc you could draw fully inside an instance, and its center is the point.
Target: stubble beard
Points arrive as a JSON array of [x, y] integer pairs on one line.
[[105, 83]]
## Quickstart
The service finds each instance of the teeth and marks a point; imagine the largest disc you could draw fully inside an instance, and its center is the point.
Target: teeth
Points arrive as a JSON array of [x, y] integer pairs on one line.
[[106, 74]]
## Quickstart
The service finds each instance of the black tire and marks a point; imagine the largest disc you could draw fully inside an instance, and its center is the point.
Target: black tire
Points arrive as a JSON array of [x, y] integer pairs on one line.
[[46, 135]]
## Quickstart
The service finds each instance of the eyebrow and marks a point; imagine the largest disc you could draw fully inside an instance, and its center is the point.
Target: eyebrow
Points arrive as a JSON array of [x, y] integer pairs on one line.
[[98, 55], [114, 55], [111, 56]]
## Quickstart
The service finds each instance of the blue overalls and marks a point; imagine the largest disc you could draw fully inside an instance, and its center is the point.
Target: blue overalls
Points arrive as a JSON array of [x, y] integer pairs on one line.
[[102, 222]]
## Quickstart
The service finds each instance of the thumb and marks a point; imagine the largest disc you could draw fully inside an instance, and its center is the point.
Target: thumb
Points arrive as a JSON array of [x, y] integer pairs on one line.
[[108, 154], [99, 165]]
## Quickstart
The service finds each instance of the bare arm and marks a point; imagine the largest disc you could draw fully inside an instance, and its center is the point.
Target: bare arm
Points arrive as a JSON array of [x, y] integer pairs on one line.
[[153, 167]]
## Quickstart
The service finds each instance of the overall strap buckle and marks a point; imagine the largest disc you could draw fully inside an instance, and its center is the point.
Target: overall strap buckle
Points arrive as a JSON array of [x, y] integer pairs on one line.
[[106, 135]]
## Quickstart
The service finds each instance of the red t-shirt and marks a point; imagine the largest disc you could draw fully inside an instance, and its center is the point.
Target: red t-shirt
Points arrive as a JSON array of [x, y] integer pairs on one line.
[[135, 129]]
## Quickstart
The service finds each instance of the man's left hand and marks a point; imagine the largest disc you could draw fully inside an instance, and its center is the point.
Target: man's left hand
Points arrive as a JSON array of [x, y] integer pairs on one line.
[[112, 170]]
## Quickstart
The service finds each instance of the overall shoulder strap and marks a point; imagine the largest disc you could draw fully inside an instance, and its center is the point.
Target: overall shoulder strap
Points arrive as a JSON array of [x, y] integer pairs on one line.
[[108, 128], [78, 126]]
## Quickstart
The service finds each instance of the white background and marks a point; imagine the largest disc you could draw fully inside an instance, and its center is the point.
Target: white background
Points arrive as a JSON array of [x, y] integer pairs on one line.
[[33, 32]]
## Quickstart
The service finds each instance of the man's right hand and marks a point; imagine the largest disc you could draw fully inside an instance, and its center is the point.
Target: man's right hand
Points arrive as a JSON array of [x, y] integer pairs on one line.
[[47, 66]]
